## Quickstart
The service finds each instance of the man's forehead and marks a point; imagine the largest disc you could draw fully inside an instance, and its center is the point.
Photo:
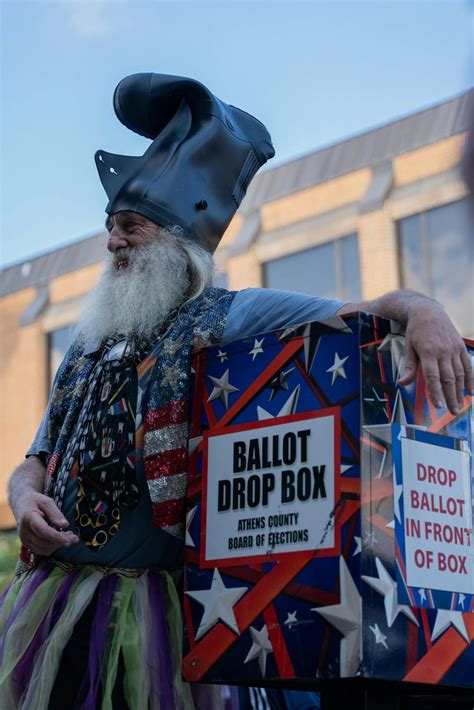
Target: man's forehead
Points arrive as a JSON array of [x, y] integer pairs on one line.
[[128, 215]]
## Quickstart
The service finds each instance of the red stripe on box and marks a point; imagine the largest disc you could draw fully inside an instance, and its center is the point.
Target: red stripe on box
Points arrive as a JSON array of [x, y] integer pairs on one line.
[[445, 652], [280, 651]]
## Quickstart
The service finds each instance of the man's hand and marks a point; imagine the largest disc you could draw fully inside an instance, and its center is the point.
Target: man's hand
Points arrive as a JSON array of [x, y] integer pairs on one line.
[[35, 515], [432, 341], [34, 512]]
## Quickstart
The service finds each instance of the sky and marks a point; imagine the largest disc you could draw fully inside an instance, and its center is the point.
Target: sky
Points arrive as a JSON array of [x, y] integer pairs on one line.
[[314, 72]]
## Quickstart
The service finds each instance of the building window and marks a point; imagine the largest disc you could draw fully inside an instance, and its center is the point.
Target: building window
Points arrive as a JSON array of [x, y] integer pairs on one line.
[[330, 270], [58, 343], [436, 258]]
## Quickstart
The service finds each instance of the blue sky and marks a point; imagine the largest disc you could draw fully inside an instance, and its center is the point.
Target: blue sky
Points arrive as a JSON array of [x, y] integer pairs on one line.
[[313, 71]]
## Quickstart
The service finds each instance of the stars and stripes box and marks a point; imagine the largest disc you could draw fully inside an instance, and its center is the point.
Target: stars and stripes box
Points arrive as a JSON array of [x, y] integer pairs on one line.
[[329, 514]]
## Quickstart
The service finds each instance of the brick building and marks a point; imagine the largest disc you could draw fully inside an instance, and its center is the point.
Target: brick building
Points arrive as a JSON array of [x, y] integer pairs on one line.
[[382, 210]]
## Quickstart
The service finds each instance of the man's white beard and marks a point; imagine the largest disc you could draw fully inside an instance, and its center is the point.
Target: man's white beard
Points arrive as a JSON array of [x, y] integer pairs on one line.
[[137, 299]]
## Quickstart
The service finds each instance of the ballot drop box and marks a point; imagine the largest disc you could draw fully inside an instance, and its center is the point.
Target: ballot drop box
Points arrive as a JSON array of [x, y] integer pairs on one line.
[[329, 526]]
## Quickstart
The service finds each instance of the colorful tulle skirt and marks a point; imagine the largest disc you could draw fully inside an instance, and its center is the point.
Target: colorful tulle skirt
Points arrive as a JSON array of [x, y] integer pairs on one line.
[[136, 619]]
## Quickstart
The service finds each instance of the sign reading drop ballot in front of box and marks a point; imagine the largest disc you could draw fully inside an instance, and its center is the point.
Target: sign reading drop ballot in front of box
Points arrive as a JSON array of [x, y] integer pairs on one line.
[[434, 516], [270, 488]]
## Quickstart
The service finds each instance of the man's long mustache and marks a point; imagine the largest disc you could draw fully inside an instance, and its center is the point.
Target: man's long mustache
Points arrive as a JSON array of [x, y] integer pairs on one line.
[[137, 299]]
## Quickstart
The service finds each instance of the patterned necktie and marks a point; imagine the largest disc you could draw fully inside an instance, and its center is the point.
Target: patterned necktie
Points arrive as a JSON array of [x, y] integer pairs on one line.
[[106, 456]]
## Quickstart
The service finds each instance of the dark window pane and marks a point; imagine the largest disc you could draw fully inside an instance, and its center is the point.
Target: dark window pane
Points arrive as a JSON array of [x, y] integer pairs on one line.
[[451, 247], [59, 341], [351, 289], [312, 271], [413, 262], [436, 255]]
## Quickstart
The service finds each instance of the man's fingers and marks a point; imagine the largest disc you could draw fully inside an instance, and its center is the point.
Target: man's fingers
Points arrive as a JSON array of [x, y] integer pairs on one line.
[[468, 375], [52, 512], [44, 532], [449, 385], [433, 383], [460, 380]]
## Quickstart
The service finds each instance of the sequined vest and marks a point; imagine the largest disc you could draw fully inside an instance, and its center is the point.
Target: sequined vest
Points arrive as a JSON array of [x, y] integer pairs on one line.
[[162, 406]]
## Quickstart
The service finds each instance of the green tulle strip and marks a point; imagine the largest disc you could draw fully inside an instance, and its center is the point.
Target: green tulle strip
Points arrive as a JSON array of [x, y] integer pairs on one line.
[[135, 648], [49, 657], [115, 639], [9, 601], [22, 631], [175, 627]]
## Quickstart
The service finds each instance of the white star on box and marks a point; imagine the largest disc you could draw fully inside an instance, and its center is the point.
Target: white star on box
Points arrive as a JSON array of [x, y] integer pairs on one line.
[[279, 382], [289, 331], [395, 345], [257, 348], [346, 617], [422, 594], [288, 408], [358, 542], [385, 585], [379, 403], [291, 619], [383, 433], [189, 519], [261, 647], [446, 618], [337, 369], [461, 601], [379, 636], [397, 493], [222, 389], [218, 603], [222, 356]]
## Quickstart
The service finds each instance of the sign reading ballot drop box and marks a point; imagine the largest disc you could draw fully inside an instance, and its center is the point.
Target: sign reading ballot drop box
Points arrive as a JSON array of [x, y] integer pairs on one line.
[[270, 489]]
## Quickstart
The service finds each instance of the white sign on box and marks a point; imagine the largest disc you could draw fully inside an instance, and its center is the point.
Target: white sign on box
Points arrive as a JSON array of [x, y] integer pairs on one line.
[[271, 488], [439, 551]]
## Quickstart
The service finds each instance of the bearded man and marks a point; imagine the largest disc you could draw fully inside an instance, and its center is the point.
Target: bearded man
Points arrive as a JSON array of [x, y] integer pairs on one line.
[[92, 618]]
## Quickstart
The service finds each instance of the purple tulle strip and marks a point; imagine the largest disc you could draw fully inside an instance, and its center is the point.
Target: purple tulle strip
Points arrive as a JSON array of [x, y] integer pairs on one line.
[[159, 662], [22, 673], [36, 579], [87, 696]]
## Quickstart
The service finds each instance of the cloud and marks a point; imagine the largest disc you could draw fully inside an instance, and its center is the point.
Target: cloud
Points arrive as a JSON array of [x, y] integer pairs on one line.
[[89, 18]]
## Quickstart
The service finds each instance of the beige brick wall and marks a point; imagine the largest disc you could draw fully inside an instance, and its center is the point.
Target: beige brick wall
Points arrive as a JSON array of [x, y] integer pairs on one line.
[[74, 283], [244, 271], [429, 160], [315, 200], [22, 387], [378, 254]]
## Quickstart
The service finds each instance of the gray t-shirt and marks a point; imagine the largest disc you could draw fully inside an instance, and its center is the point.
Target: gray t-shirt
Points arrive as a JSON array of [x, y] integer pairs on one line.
[[138, 543]]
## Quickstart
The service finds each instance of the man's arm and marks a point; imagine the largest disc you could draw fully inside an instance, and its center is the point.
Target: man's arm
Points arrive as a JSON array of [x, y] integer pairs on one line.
[[431, 340], [34, 512]]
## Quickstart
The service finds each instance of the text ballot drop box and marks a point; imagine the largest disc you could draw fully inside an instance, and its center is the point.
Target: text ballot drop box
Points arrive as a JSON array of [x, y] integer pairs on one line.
[[329, 514]]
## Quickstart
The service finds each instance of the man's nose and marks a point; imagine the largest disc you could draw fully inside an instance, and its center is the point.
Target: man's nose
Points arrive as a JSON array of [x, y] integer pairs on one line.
[[116, 241]]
